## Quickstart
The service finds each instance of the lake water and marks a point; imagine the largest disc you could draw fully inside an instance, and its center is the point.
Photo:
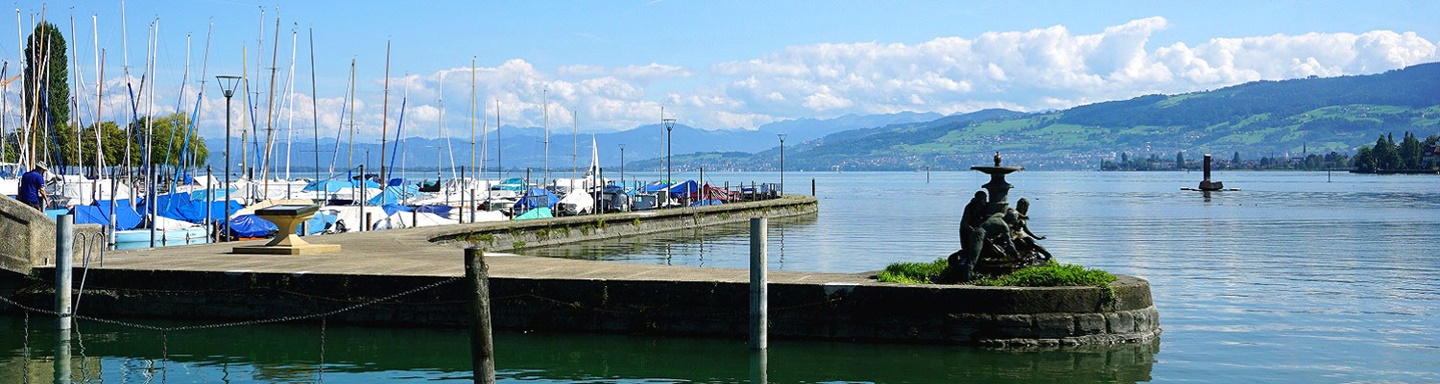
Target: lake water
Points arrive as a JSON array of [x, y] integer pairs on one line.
[[1299, 277]]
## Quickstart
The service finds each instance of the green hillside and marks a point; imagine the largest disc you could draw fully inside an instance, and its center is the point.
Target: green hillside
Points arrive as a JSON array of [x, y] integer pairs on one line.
[[1265, 118]]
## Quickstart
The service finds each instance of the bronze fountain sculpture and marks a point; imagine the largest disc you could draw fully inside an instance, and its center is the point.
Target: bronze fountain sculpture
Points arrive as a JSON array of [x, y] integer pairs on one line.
[[994, 238]]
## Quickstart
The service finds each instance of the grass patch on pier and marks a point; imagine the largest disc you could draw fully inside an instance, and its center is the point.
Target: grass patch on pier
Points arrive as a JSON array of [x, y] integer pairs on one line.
[[913, 273], [1049, 275]]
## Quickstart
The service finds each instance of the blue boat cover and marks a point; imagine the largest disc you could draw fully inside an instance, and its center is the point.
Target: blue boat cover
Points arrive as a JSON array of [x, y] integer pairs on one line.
[[537, 213], [217, 208], [536, 197], [702, 203], [439, 210], [685, 188], [390, 209], [395, 182], [244, 226], [54, 214], [512, 184], [215, 194], [331, 186], [319, 223], [394, 195], [125, 217], [179, 206]]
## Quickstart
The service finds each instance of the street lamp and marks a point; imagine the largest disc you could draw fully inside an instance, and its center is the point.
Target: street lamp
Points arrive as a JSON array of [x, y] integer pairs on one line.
[[782, 164], [227, 84], [622, 168], [669, 125]]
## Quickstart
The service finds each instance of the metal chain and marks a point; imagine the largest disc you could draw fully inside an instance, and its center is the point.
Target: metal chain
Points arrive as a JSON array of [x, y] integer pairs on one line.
[[164, 355], [320, 376], [25, 364]]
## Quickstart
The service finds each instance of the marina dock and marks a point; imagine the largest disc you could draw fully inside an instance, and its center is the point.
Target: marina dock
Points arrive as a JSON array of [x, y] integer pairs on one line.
[[409, 277]]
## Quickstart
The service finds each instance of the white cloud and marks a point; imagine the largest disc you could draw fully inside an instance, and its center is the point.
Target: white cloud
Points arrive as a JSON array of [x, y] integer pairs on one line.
[[1043, 68], [1038, 69]]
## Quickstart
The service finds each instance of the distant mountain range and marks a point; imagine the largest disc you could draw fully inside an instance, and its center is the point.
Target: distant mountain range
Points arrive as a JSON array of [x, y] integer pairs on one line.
[[1264, 118], [521, 148]]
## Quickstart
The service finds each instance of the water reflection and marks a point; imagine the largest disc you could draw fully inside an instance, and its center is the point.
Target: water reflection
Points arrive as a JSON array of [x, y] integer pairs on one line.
[[292, 353]]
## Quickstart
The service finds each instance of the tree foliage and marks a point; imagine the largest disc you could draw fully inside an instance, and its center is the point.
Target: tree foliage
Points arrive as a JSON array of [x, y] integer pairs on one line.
[[1387, 155], [45, 63]]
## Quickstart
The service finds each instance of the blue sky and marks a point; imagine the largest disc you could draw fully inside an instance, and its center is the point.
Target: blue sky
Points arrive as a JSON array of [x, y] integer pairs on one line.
[[727, 65]]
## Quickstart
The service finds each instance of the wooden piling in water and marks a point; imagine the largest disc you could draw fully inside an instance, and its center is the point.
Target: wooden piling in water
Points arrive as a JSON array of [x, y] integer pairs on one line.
[[482, 348]]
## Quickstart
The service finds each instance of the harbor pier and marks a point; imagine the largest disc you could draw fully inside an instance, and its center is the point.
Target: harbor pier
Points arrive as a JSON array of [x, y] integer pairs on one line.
[[411, 277]]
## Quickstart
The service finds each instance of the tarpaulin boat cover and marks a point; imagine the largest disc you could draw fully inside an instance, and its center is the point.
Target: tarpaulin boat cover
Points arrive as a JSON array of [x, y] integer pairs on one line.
[[178, 206], [440, 210], [537, 213], [536, 197], [318, 224], [390, 209], [685, 188], [125, 217], [215, 194], [512, 184], [394, 195], [333, 186], [244, 226]]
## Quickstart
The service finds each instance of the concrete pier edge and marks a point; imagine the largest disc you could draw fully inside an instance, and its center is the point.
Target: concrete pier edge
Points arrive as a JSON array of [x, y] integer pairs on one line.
[[205, 284]]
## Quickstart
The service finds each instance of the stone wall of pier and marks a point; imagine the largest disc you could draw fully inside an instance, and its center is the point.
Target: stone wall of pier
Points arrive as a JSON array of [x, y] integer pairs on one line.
[[27, 237], [908, 313]]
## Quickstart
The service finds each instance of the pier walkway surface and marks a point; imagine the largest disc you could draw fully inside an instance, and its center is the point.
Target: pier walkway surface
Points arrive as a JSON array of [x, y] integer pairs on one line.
[[415, 252], [409, 252]]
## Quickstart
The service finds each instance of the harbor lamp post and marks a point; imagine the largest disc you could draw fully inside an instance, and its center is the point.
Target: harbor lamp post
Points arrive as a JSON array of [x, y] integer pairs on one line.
[[227, 84], [622, 168], [669, 125], [782, 164]]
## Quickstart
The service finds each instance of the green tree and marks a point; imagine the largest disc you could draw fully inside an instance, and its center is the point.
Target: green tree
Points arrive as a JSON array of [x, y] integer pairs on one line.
[[1410, 152], [1179, 160], [1364, 159], [1235, 160], [46, 64]]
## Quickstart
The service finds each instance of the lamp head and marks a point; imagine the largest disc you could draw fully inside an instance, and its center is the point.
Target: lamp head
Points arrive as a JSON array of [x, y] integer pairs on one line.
[[228, 84], [668, 123]]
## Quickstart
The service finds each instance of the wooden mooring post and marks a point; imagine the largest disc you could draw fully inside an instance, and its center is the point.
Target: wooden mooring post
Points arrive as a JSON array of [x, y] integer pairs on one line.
[[482, 348], [758, 290]]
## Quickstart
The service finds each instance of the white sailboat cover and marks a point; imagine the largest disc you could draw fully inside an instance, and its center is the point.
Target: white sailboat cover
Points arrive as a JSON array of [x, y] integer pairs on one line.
[[576, 202], [404, 219]]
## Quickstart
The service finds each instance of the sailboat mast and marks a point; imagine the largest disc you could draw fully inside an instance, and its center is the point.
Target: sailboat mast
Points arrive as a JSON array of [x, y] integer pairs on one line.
[[314, 106], [290, 112], [351, 143], [545, 97], [499, 167], [575, 145], [75, 101], [99, 101], [472, 116], [270, 109], [384, 116]]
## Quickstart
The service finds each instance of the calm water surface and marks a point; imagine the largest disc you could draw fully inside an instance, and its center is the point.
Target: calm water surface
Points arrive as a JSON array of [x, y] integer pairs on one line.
[[1300, 277]]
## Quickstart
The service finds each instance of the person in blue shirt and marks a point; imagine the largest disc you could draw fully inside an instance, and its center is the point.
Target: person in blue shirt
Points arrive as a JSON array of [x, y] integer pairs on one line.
[[32, 187]]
